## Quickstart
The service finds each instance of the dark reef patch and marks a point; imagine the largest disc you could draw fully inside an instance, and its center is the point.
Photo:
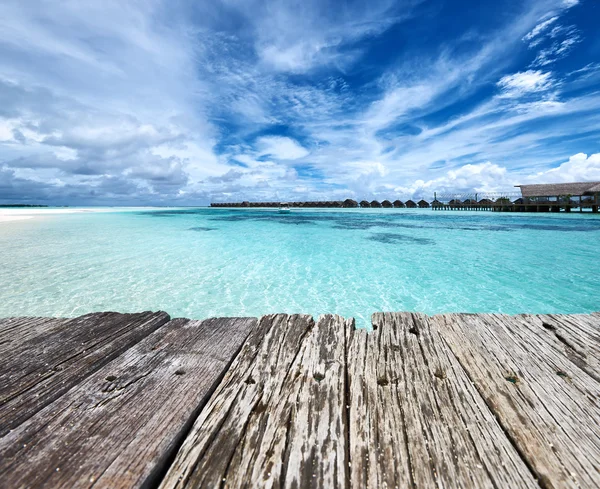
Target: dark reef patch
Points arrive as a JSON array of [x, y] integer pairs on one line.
[[391, 238], [202, 228]]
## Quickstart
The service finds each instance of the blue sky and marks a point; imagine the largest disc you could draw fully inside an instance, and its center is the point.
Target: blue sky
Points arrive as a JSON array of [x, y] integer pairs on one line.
[[185, 102]]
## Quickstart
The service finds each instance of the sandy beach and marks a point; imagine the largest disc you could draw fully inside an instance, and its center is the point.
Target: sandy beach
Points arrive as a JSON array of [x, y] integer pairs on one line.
[[19, 214], [10, 214]]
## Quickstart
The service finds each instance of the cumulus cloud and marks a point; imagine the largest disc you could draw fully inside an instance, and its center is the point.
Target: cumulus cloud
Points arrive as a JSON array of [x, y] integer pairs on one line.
[[579, 168], [482, 177]]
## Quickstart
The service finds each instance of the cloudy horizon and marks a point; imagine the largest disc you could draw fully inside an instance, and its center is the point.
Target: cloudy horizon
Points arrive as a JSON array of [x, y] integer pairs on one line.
[[187, 103]]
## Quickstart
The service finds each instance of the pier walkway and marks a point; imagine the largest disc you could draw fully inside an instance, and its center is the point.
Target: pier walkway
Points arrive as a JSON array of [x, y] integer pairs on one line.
[[113, 400]]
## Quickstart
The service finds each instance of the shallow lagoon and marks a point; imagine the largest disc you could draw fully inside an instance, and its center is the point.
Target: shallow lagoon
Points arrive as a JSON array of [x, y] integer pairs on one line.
[[199, 263]]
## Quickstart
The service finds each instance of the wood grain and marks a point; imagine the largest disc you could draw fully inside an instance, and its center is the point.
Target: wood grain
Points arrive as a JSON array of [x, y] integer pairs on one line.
[[278, 417], [61, 353], [577, 336], [119, 427], [415, 418], [546, 405], [17, 330]]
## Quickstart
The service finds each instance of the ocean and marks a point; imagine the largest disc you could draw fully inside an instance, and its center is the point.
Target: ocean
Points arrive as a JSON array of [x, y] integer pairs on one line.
[[202, 262]]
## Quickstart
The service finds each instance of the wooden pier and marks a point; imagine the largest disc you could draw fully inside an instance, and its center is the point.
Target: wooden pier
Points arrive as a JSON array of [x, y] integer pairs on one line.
[[113, 400]]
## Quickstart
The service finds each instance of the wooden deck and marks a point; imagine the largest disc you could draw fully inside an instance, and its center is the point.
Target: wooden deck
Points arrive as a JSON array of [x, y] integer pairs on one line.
[[113, 400]]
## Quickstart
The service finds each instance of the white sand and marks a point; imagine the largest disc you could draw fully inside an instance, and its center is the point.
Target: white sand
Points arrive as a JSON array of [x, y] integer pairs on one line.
[[9, 214]]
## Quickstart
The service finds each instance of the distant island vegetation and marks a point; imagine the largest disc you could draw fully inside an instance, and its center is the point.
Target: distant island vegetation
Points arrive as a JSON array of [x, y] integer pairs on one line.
[[22, 205]]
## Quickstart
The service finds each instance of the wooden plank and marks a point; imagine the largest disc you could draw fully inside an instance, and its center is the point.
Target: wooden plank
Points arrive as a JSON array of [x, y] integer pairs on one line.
[[120, 426], [15, 331], [577, 335], [277, 419], [415, 418], [553, 419], [38, 370]]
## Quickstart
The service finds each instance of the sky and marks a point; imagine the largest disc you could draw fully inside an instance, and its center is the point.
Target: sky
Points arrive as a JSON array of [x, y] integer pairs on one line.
[[181, 102]]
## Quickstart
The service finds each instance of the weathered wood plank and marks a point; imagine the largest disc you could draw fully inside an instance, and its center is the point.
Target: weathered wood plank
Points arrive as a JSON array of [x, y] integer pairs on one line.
[[118, 428], [552, 418], [578, 336], [44, 366], [278, 418], [15, 331], [415, 418]]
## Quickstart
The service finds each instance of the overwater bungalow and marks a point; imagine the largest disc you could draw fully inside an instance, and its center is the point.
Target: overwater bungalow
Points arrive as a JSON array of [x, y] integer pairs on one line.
[[470, 202], [375, 203], [455, 203], [364, 203], [411, 204], [436, 203], [423, 204], [398, 204], [348, 203], [387, 204], [570, 194], [486, 202]]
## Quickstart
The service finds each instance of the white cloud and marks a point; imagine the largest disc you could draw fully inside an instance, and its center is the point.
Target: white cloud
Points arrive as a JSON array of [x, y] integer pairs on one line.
[[280, 148], [6, 130], [579, 168], [524, 83], [538, 29], [482, 177], [557, 50], [156, 99], [300, 36]]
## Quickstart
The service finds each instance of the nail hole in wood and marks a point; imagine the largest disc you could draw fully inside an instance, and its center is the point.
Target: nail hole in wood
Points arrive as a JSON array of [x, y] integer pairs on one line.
[[318, 377], [382, 381], [549, 326], [111, 378], [440, 374], [562, 374], [374, 326], [513, 379], [250, 380], [179, 371], [414, 331]]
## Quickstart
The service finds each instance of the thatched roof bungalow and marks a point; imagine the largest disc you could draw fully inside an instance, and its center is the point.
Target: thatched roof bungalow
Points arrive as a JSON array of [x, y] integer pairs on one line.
[[436, 203], [387, 204], [486, 202], [559, 189], [364, 203], [375, 203], [455, 202], [349, 203], [423, 204], [411, 204], [398, 204]]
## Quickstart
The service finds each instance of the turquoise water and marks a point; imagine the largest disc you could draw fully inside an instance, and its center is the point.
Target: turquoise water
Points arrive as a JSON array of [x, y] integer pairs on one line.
[[199, 263]]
